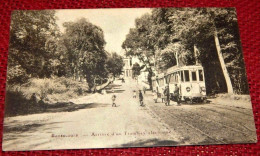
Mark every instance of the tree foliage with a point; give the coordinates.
(136, 69)
(139, 42)
(167, 36)
(28, 53)
(115, 64)
(38, 49)
(84, 44)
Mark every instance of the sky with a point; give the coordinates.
(114, 22)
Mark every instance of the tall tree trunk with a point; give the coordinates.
(222, 63)
(177, 58)
(149, 78)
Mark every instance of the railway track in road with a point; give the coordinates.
(188, 118)
(227, 126)
(190, 124)
(185, 128)
(223, 111)
(213, 111)
(197, 129)
(221, 127)
(226, 107)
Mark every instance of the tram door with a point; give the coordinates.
(172, 80)
(186, 89)
(195, 85)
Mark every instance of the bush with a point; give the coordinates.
(46, 91)
(17, 104)
(16, 75)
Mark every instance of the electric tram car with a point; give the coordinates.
(189, 79)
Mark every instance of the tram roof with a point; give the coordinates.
(177, 68)
(174, 68)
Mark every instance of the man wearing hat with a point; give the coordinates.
(167, 95)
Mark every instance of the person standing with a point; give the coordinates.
(134, 96)
(141, 98)
(167, 95)
(177, 94)
(144, 89)
(113, 99)
(155, 96)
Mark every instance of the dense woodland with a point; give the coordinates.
(47, 66)
(168, 37)
(164, 38)
(38, 49)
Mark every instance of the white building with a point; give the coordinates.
(143, 78)
(128, 72)
(128, 67)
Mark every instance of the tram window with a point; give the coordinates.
(167, 78)
(177, 77)
(187, 75)
(171, 78)
(182, 77)
(161, 82)
(193, 75)
(154, 84)
(200, 75)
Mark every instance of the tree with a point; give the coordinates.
(115, 64)
(176, 53)
(212, 18)
(139, 43)
(136, 69)
(200, 26)
(84, 44)
(29, 32)
(167, 37)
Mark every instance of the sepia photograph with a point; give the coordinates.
(130, 77)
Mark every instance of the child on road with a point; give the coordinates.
(141, 98)
(113, 99)
(134, 96)
(155, 96)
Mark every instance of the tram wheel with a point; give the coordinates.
(190, 101)
(205, 101)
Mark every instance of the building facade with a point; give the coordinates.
(128, 67)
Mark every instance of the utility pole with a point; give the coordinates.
(196, 53)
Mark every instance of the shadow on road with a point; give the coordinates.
(71, 107)
(22, 128)
(29, 127)
(110, 86)
(196, 103)
(60, 107)
(115, 87)
(150, 142)
(115, 91)
(15, 131)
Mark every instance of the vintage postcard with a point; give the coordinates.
(113, 78)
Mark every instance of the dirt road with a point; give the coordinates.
(100, 125)
(97, 126)
(211, 123)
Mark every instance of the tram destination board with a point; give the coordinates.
(130, 77)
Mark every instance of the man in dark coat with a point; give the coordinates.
(167, 95)
(176, 94)
(141, 98)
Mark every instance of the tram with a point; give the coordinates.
(189, 79)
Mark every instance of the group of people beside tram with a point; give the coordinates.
(166, 97)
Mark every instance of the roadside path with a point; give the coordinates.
(99, 126)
